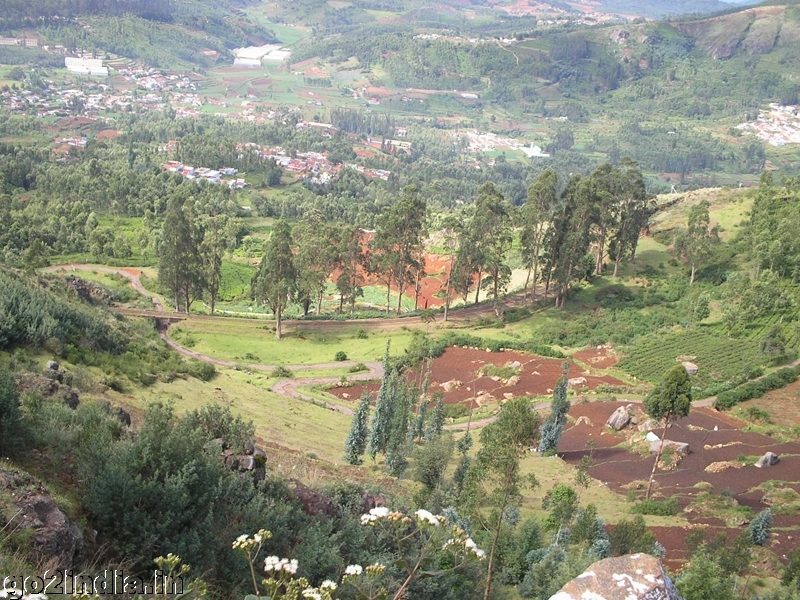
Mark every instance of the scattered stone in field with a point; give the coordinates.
(584, 419)
(495, 378)
(449, 386)
(52, 365)
(718, 467)
(508, 395)
(651, 437)
(535, 373)
(680, 448)
(576, 381)
(629, 577)
(649, 425)
(513, 380)
(618, 419)
(718, 446)
(691, 368)
(484, 398)
(345, 395)
(515, 364)
(247, 462)
(769, 459)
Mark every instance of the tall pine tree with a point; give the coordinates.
(384, 408)
(553, 428)
(356, 442)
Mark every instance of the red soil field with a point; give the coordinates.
(617, 467)
(597, 358)
(537, 376)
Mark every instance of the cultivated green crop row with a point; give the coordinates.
(719, 358)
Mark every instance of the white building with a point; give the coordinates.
(85, 66)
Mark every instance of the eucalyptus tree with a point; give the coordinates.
(535, 217)
(316, 258)
(212, 250)
(180, 266)
(569, 238)
(694, 244)
(275, 282)
(397, 248)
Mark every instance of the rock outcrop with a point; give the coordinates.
(769, 459)
(619, 419)
(630, 577)
(55, 542)
(681, 448)
(691, 368)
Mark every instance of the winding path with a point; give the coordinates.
(290, 387)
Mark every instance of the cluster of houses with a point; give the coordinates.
(780, 125)
(155, 79)
(24, 42)
(204, 173)
(477, 142)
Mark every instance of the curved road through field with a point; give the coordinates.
(290, 387)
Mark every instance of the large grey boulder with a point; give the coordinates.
(769, 459)
(691, 368)
(681, 448)
(630, 577)
(619, 419)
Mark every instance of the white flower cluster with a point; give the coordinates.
(313, 594)
(428, 517)
(328, 585)
(468, 544)
(273, 563)
(374, 514)
(245, 542)
(353, 570)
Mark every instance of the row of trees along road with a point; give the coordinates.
(556, 231)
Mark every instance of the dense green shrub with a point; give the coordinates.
(755, 389)
(663, 508)
(341, 355)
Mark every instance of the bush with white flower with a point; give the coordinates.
(417, 541)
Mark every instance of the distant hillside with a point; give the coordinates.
(661, 8)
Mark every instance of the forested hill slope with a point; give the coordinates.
(657, 8)
(157, 10)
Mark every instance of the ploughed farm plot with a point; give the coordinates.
(477, 378)
(717, 484)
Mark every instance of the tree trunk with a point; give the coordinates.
(341, 303)
(616, 264)
(478, 287)
(447, 289)
(278, 314)
(525, 289)
(188, 303)
(598, 268)
(658, 458)
(633, 249)
(213, 302)
(399, 300)
(417, 289)
(490, 570)
(388, 294)
(319, 302)
(694, 272)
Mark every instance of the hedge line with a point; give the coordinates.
(758, 387)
